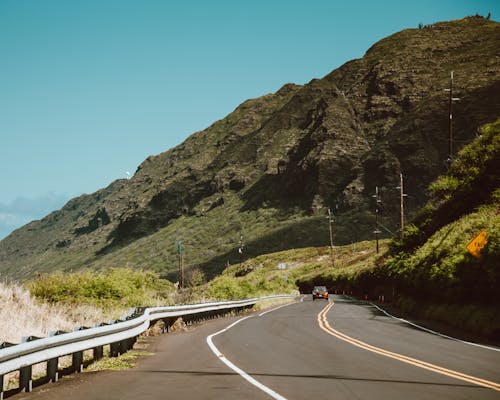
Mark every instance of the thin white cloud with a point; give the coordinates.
(23, 210)
(9, 219)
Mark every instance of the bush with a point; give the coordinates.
(115, 286)
(227, 288)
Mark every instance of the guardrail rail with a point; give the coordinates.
(120, 335)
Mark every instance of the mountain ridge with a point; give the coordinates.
(287, 157)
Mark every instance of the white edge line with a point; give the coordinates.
(239, 371)
(276, 308)
(434, 332)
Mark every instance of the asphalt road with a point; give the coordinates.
(344, 350)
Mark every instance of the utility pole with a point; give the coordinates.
(181, 267)
(377, 231)
(241, 247)
(451, 99)
(402, 195)
(330, 222)
(182, 270)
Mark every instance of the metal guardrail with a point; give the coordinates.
(120, 335)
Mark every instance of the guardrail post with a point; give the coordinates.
(53, 363)
(77, 358)
(26, 373)
(26, 379)
(53, 369)
(1, 387)
(166, 325)
(77, 361)
(123, 346)
(98, 353)
(114, 349)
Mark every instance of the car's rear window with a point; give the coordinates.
(320, 288)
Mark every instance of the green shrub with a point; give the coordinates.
(115, 286)
(228, 288)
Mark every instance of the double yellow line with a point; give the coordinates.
(323, 323)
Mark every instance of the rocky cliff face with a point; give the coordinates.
(272, 168)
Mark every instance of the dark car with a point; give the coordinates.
(320, 292)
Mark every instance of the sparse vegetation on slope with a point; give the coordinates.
(430, 271)
(302, 269)
(432, 261)
(473, 180)
(272, 168)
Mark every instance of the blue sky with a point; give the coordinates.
(90, 88)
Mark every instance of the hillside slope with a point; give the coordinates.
(270, 169)
(432, 260)
(430, 272)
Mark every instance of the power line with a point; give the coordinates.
(384, 227)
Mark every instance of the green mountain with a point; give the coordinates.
(431, 271)
(269, 171)
(432, 260)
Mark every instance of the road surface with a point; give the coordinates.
(343, 349)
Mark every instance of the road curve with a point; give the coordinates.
(304, 350)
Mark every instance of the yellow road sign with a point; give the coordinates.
(476, 245)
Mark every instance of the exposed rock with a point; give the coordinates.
(99, 219)
(294, 153)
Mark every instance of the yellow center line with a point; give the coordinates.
(323, 323)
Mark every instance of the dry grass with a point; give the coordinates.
(23, 315)
(270, 303)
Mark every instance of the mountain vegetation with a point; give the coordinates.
(430, 271)
(264, 177)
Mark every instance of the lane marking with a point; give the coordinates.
(323, 324)
(434, 332)
(274, 309)
(239, 371)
